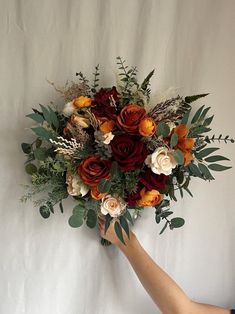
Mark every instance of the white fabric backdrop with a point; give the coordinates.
(46, 266)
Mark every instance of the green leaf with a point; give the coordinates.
(36, 117)
(163, 129)
(190, 99)
(118, 231)
(75, 221)
(30, 169)
(180, 177)
(46, 114)
(54, 118)
(174, 140)
(26, 148)
(108, 220)
(197, 114)
(79, 210)
(114, 168)
(43, 133)
(145, 83)
(217, 167)
(44, 211)
(164, 228)
(215, 158)
(178, 156)
(91, 218)
(61, 207)
(187, 190)
(104, 186)
(41, 153)
(125, 225)
(208, 121)
(50, 206)
(185, 117)
(205, 152)
(128, 216)
(194, 170)
(38, 142)
(205, 171)
(177, 222)
(204, 113)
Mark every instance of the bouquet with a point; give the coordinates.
(116, 151)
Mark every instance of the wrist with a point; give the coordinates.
(130, 243)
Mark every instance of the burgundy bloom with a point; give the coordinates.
(129, 152)
(153, 181)
(102, 106)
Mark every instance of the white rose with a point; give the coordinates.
(161, 161)
(112, 206)
(75, 185)
(68, 109)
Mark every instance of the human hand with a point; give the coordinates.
(111, 236)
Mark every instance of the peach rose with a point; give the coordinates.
(82, 102)
(149, 198)
(147, 126)
(112, 206)
(92, 169)
(184, 143)
(96, 194)
(130, 117)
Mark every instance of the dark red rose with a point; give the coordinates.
(153, 181)
(129, 152)
(132, 198)
(102, 105)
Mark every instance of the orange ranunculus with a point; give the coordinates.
(106, 125)
(82, 102)
(96, 194)
(149, 198)
(130, 117)
(92, 169)
(147, 126)
(184, 144)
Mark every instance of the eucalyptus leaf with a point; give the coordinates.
(194, 170)
(208, 121)
(124, 224)
(164, 228)
(30, 169)
(37, 117)
(197, 114)
(179, 157)
(91, 218)
(190, 99)
(174, 140)
(185, 117)
(75, 221)
(43, 133)
(79, 210)
(118, 231)
(53, 118)
(108, 220)
(217, 167)
(177, 222)
(163, 129)
(204, 113)
(128, 216)
(41, 153)
(215, 158)
(205, 171)
(46, 114)
(205, 152)
(104, 186)
(44, 211)
(26, 148)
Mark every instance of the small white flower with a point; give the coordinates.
(68, 109)
(161, 161)
(104, 138)
(75, 186)
(112, 206)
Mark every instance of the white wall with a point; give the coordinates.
(46, 266)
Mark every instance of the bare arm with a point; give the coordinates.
(167, 295)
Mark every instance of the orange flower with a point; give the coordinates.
(82, 102)
(147, 126)
(184, 144)
(92, 169)
(149, 198)
(95, 193)
(106, 126)
(130, 117)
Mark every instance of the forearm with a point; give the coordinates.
(167, 295)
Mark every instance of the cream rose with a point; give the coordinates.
(80, 120)
(161, 161)
(112, 206)
(104, 138)
(75, 186)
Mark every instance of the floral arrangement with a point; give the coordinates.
(116, 151)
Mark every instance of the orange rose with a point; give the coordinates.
(130, 117)
(149, 198)
(184, 143)
(82, 102)
(147, 126)
(92, 169)
(106, 126)
(95, 193)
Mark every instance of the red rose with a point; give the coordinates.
(153, 181)
(132, 198)
(102, 106)
(129, 152)
(92, 169)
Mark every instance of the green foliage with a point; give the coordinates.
(225, 139)
(30, 169)
(26, 148)
(144, 86)
(44, 211)
(178, 156)
(176, 222)
(217, 167)
(185, 117)
(95, 80)
(131, 180)
(43, 133)
(76, 220)
(174, 140)
(118, 231)
(128, 216)
(104, 186)
(163, 129)
(190, 99)
(91, 218)
(124, 224)
(37, 117)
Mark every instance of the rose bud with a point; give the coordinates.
(149, 198)
(147, 127)
(96, 194)
(106, 126)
